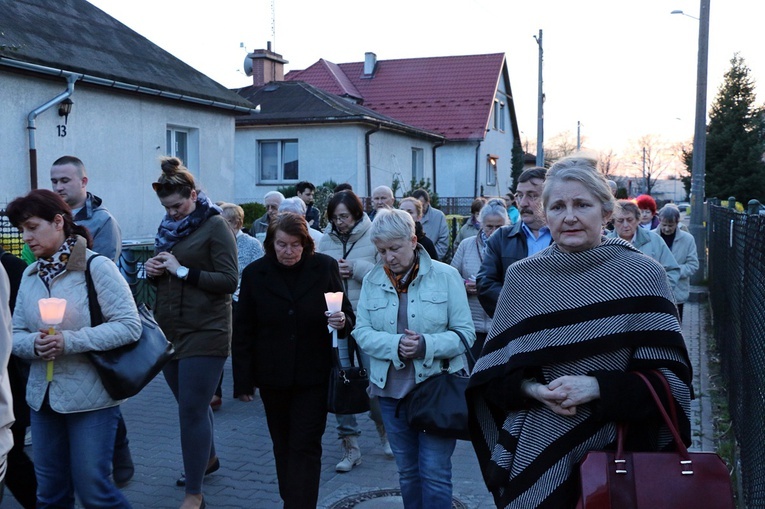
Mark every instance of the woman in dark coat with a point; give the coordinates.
(284, 347)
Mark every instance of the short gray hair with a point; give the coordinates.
(390, 225)
(670, 212)
(583, 169)
(294, 204)
(627, 207)
(494, 207)
(274, 193)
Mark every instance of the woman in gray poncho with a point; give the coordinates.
(555, 372)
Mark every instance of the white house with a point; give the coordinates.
(447, 119)
(131, 102)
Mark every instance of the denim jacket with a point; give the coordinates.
(437, 302)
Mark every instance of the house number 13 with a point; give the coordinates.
(61, 130)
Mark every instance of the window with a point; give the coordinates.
(278, 161)
(497, 114)
(183, 143)
(418, 158)
(491, 170)
(178, 144)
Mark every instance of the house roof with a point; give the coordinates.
(76, 36)
(297, 102)
(449, 95)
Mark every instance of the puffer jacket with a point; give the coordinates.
(467, 260)
(358, 248)
(437, 303)
(76, 386)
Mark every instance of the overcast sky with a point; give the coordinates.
(623, 69)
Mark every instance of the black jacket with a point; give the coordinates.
(280, 336)
(505, 247)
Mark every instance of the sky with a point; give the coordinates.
(621, 69)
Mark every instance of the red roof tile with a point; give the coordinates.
(450, 95)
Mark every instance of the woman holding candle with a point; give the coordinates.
(282, 345)
(74, 420)
(195, 270)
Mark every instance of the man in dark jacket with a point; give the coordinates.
(305, 192)
(70, 180)
(514, 242)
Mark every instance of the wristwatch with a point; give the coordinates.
(182, 272)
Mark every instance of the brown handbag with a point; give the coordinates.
(654, 480)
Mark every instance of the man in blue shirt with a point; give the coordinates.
(514, 242)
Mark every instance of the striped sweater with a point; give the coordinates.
(602, 312)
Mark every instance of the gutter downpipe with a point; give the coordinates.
(368, 156)
(71, 78)
(435, 146)
(477, 163)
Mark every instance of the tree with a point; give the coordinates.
(685, 154)
(561, 145)
(517, 158)
(735, 145)
(650, 153)
(608, 163)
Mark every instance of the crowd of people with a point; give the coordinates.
(530, 289)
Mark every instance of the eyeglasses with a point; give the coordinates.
(341, 217)
(166, 186)
(530, 196)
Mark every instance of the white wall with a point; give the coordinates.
(329, 153)
(119, 137)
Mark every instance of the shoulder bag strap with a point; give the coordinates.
(96, 317)
(465, 343)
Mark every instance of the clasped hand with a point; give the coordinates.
(336, 320)
(409, 344)
(48, 346)
(157, 265)
(564, 394)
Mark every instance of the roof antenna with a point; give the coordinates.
(273, 22)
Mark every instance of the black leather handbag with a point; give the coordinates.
(348, 385)
(127, 369)
(437, 405)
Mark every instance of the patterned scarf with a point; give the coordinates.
(401, 281)
(50, 267)
(562, 314)
(171, 232)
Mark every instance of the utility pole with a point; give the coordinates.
(700, 146)
(645, 183)
(540, 108)
(578, 136)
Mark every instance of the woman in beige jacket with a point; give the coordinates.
(72, 414)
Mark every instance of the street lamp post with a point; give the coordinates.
(697, 228)
(698, 165)
(540, 108)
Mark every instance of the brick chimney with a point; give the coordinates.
(266, 66)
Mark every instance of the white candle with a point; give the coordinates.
(52, 313)
(334, 304)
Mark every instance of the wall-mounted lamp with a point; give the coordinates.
(492, 160)
(65, 108)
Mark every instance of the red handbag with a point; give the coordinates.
(654, 480)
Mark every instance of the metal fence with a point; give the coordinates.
(737, 295)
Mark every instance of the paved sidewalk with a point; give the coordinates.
(247, 477)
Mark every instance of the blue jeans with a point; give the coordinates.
(73, 453)
(424, 462)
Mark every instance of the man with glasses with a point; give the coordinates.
(382, 198)
(514, 242)
(271, 200)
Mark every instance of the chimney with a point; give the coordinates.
(266, 66)
(370, 63)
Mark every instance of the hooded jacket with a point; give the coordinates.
(107, 237)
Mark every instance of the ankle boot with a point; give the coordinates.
(384, 441)
(351, 454)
